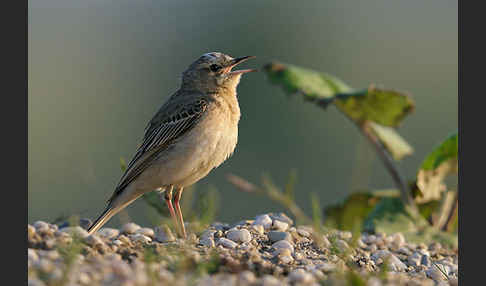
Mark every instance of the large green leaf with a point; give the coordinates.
(439, 164)
(385, 107)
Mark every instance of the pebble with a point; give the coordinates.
(227, 243)
(41, 226)
(280, 225)
(398, 240)
(425, 260)
(30, 231)
(207, 241)
(130, 228)
(239, 235)
(75, 231)
(283, 244)
(258, 228)
(303, 232)
(35, 282)
(279, 235)
(163, 234)
(342, 245)
(396, 264)
(414, 259)
(93, 240)
(108, 233)
(435, 274)
(346, 235)
(140, 238)
(263, 220)
(32, 255)
(281, 217)
(85, 223)
(146, 231)
(246, 278)
(300, 276)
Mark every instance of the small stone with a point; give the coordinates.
(140, 238)
(414, 259)
(258, 228)
(281, 217)
(41, 226)
(85, 223)
(280, 225)
(30, 231)
(84, 278)
(263, 220)
(361, 244)
(373, 248)
(425, 260)
(93, 240)
(32, 255)
(146, 231)
(300, 276)
(130, 228)
(117, 242)
(374, 281)
(75, 231)
(207, 241)
(285, 259)
(370, 239)
(303, 232)
(435, 246)
(269, 280)
(279, 235)
(398, 240)
(404, 250)
(164, 234)
(435, 274)
(239, 235)
(246, 278)
(44, 265)
(396, 264)
(327, 267)
(227, 243)
(108, 233)
(342, 245)
(345, 235)
(283, 244)
(325, 241)
(35, 282)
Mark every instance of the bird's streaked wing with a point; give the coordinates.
(174, 119)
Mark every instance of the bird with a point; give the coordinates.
(193, 132)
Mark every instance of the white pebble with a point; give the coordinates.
(75, 231)
(130, 228)
(239, 235)
(280, 225)
(300, 276)
(164, 234)
(140, 238)
(283, 244)
(263, 220)
(41, 226)
(258, 228)
(146, 231)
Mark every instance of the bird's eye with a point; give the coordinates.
(214, 68)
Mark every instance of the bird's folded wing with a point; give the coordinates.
(173, 120)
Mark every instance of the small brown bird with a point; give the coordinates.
(194, 131)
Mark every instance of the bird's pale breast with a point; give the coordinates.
(203, 148)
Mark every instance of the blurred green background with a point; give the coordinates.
(99, 70)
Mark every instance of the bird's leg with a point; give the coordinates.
(168, 200)
(177, 198)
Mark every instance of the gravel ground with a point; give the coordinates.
(267, 250)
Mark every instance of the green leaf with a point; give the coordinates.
(393, 142)
(439, 164)
(389, 216)
(386, 107)
(351, 212)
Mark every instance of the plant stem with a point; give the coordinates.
(448, 224)
(389, 165)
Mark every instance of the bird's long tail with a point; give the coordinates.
(114, 206)
(102, 219)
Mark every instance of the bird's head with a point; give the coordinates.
(213, 72)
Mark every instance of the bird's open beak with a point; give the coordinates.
(238, 61)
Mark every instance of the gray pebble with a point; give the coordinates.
(435, 274)
(425, 260)
(207, 241)
(342, 245)
(263, 220)
(41, 226)
(130, 228)
(163, 234)
(279, 235)
(146, 231)
(414, 259)
(108, 233)
(227, 243)
(93, 240)
(239, 235)
(300, 276)
(85, 223)
(396, 264)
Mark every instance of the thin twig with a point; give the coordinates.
(389, 165)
